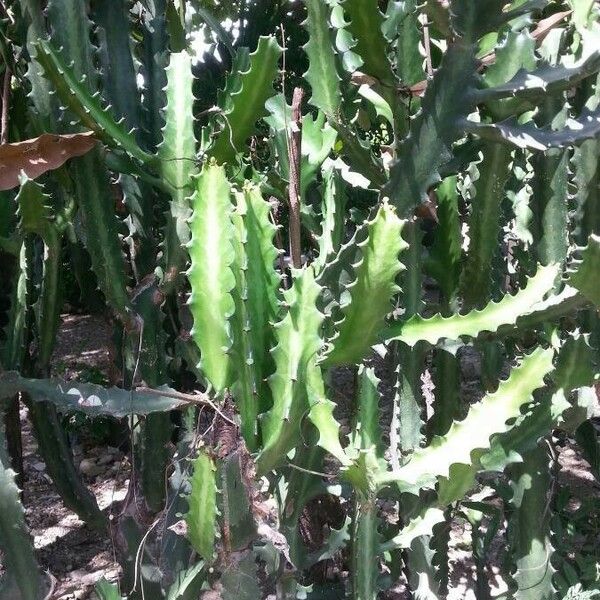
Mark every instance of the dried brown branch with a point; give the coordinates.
(197, 398)
(5, 106)
(295, 155)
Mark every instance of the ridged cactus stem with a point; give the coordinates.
(550, 192)
(551, 176)
(410, 360)
(15, 542)
(12, 357)
(485, 226)
(447, 392)
(529, 529)
(365, 535)
(410, 400)
(302, 487)
(146, 359)
(153, 58)
(445, 263)
(364, 549)
(586, 165)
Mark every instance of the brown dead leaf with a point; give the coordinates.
(545, 26)
(44, 153)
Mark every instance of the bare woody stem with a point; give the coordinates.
(5, 106)
(198, 398)
(294, 151)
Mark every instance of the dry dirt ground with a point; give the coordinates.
(77, 557)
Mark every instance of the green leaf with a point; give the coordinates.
(490, 318)
(201, 517)
(468, 439)
(91, 399)
(298, 343)
(210, 275)
(378, 102)
(85, 105)
(371, 292)
(322, 75)
(245, 104)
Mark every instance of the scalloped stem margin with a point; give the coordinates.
(491, 318)
(211, 276)
(484, 419)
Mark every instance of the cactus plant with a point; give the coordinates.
(424, 121)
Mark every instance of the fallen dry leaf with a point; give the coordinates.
(44, 153)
